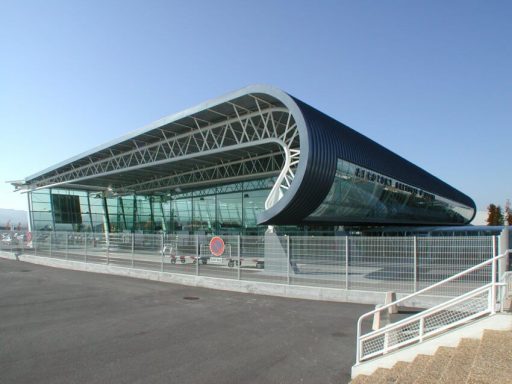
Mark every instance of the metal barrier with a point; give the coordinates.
(400, 264)
(477, 302)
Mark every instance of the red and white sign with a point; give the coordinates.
(217, 246)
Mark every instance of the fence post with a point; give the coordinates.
(416, 270)
(239, 258)
(162, 253)
(197, 254)
(67, 245)
(346, 263)
(503, 264)
(422, 328)
(289, 260)
(133, 247)
(493, 287)
(107, 238)
(86, 247)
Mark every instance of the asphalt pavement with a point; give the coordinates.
(61, 326)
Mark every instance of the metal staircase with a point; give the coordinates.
(484, 289)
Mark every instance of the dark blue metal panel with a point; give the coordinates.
(329, 140)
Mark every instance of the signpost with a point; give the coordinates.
(217, 246)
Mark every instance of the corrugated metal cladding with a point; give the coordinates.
(329, 140)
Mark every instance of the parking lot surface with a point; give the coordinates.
(61, 326)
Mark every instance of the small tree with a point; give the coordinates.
(491, 214)
(499, 216)
(495, 215)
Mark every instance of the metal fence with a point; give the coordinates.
(399, 264)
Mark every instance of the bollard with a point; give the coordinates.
(380, 318)
(390, 297)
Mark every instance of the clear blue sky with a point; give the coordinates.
(430, 80)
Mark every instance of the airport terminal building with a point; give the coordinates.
(237, 164)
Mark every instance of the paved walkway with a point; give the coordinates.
(61, 326)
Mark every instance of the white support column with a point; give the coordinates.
(30, 210)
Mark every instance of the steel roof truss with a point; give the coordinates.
(241, 131)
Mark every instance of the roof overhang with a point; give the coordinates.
(253, 133)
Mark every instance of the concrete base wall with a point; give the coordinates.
(255, 287)
(259, 288)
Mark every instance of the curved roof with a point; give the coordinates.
(330, 140)
(255, 132)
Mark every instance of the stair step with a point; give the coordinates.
(379, 375)
(382, 375)
(437, 366)
(360, 379)
(392, 375)
(473, 361)
(414, 370)
(493, 362)
(460, 364)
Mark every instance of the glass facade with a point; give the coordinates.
(66, 210)
(359, 195)
(231, 208)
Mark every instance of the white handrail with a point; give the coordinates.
(428, 311)
(448, 279)
(389, 327)
(423, 315)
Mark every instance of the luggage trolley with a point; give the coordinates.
(171, 249)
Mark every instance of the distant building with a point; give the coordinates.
(236, 164)
(480, 218)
